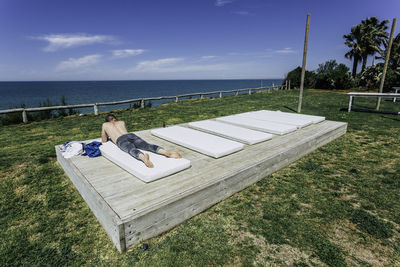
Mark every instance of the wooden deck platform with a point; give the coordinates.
(131, 210)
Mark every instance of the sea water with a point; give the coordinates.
(34, 94)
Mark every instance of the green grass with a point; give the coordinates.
(338, 206)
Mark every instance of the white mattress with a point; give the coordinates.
(259, 125)
(205, 143)
(314, 119)
(236, 133)
(163, 166)
(278, 117)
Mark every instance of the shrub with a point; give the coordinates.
(15, 118)
(330, 75)
(11, 118)
(371, 77)
(138, 104)
(295, 76)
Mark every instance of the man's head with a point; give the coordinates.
(110, 117)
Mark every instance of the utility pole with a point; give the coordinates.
(303, 69)
(378, 103)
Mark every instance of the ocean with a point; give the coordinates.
(32, 94)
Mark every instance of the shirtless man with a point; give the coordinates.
(130, 142)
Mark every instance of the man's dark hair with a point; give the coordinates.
(110, 117)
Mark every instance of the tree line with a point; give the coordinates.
(369, 39)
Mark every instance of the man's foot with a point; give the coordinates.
(147, 161)
(174, 155)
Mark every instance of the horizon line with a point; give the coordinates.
(144, 80)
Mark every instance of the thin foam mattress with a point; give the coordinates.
(204, 143)
(313, 118)
(229, 131)
(258, 125)
(163, 166)
(278, 117)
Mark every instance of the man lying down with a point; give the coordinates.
(129, 142)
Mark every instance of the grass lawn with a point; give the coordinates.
(338, 206)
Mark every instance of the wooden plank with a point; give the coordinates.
(4, 111)
(110, 221)
(388, 95)
(60, 107)
(374, 95)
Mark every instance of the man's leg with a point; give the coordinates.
(126, 145)
(146, 159)
(140, 143)
(166, 153)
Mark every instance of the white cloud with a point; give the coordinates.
(208, 57)
(173, 65)
(286, 50)
(74, 63)
(197, 68)
(156, 65)
(127, 52)
(242, 13)
(223, 2)
(62, 41)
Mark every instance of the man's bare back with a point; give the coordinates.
(114, 129)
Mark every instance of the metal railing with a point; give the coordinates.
(139, 100)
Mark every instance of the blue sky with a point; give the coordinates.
(174, 39)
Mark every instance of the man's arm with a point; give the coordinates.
(104, 135)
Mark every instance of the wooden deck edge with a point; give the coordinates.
(110, 221)
(171, 214)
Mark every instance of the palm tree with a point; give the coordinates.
(394, 60)
(374, 35)
(353, 40)
(395, 53)
(365, 40)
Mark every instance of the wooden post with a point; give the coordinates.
(142, 103)
(378, 103)
(176, 99)
(289, 84)
(303, 69)
(237, 92)
(201, 96)
(286, 85)
(24, 116)
(96, 109)
(220, 94)
(249, 91)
